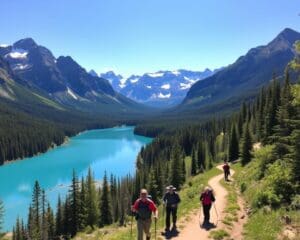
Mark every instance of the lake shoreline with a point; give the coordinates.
(65, 142)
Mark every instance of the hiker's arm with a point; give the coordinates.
(178, 198)
(201, 197)
(154, 209)
(213, 198)
(165, 199)
(134, 208)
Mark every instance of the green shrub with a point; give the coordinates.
(295, 205)
(243, 187)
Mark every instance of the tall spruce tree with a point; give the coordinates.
(246, 146)
(91, 200)
(82, 206)
(59, 230)
(176, 171)
(105, 204)
(201, 156)
(74, 205)
(233, 149)
(194, 164)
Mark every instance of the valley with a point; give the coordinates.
(77, 145)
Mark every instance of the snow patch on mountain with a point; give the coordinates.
(166, 86)
(70, 92)
(160, 95)
(17, 54)
(155, 75)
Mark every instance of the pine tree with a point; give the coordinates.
(153, 187)
(246, 146)
(105, 204)
(35, 213)
(201, 157)
(59, 230)
(176, 170)
(91, 200)
(194, 164)
(233, 152)
(50, 223)
(82, 206)
(74, 205)
(296, 157)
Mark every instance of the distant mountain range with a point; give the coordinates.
(28, 67)
(61, 79)
(162, 88)
(242, 79)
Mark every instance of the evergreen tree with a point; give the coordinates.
(59, 230)
(74, 205)
(176, 171)
(105, 204)
(233, 152)
(82, 206)
(296, 157)
(91, 200)
(201, 156)
(194, 164)
(50, 223)
(246, 146)
(153, 186)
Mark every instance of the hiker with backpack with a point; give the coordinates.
(207, 198)
(144, 207)
(226, 169)
(171, 200)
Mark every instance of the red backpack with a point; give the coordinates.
(206, 198)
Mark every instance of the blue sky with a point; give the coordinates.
(137, 36)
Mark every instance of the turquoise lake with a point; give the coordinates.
(113, 150)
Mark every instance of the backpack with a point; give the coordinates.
(144, 211)
(206, 198)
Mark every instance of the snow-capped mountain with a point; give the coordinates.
(162, 88)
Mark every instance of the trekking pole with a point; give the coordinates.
(131, 225)
(216, 213)
(155, 220)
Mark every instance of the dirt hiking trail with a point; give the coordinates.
(192, 229)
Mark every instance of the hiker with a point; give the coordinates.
(171, 200)
(144, 207)
(207, 198)
(226, 170)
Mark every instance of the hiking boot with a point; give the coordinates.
(167, 229)
(174, 227)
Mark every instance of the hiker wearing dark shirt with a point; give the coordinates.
(171, 200)
(226, 170)
(144, 207)
(207, 198)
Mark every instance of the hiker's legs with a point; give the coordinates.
(140, 229)
(206, 210)
(168, 215)
(174, 216)
(147, 226)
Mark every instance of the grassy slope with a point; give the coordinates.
(263, 223)
(190, 201)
